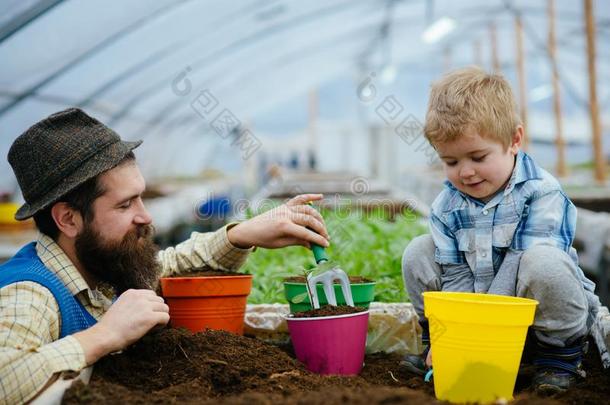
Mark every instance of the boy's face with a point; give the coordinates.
(478, 166)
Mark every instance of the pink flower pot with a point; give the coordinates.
(330, 344)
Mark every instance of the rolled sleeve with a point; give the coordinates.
(63, 354)
(211, 249)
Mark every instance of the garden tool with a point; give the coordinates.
(327, 273)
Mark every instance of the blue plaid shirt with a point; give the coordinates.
(475, 240)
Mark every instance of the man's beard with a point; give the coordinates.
(128, 263)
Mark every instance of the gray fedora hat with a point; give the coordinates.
(61, 152)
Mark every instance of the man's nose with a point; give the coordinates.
(142, 216)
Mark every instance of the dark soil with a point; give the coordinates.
(352, 280)
(328, 310)
(175, 366)
(208, 273)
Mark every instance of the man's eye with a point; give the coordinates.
(125, 205)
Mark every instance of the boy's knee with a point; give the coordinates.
(418, 251)
(544, 263)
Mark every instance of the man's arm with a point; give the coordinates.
(30, 352)
(293, 223)
(211, 249)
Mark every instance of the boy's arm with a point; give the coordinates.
(456, 273)
(548, 219)
(447, 248)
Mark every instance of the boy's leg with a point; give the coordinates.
(420, 273)
(549, 275)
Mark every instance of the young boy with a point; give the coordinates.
(502, 225)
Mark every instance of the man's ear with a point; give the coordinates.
(68, 220)
(517, 140)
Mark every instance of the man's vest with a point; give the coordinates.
(26, 266)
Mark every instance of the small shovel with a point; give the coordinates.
(329, 273)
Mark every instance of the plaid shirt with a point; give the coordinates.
(31, 352)
(487, 237)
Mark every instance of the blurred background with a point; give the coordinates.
(244, 102)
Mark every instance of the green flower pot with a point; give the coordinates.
(362, 293)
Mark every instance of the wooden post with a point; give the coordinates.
(522, 78)
(478, 60)
(559, 140)
(494, 47)
(313, 119)
(598, 153)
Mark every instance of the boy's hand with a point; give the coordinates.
(429, 358)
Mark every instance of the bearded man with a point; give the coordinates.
(86, 286)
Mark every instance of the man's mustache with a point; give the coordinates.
(145, 231)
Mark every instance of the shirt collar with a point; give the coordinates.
(525, 169)
(56, 260)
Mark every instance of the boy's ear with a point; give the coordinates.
(517, 140)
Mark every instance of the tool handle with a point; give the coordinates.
(319, 252)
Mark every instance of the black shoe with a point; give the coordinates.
(416, 363)
(557, 368)
(551, 381)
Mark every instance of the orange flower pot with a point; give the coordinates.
(214, 302)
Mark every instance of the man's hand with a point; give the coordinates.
(283, 226)
(133, 314)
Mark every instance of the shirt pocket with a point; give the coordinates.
(502, 235)
(462, 225)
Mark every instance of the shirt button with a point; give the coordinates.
(484, 254)
(485, 212)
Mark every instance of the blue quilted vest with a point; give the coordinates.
(26, 266)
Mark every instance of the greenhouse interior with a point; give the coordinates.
(271, 201)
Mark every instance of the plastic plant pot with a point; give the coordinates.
(214, 302)
(362, 293)
(330, 344)
(477, 341)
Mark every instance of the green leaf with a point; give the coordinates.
(297, 299)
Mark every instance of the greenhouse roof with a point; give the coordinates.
(137, 65)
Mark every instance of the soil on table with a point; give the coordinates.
(176, 366)
(352, 280)
(328, 310)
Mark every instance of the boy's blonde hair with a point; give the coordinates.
(471, 98)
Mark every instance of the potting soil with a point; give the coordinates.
(328, 310)
(208, 273)
(352, 280)
(217, 367)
